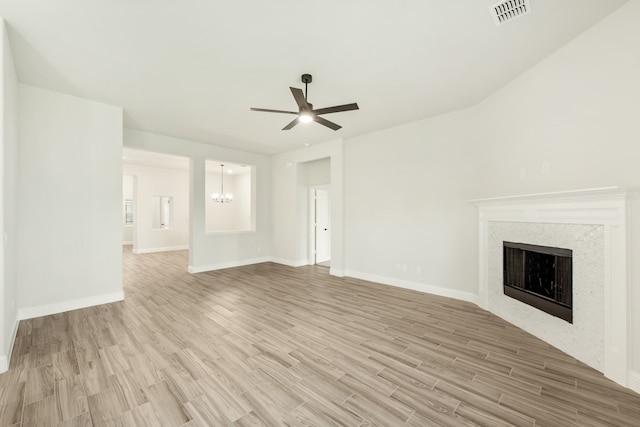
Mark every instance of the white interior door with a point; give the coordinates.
(322, 229)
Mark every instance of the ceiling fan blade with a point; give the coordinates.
(267, 110)
(336, 109)
(290, 125)
(326, 123)
(298, 94)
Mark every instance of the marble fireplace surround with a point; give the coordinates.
(601, 215)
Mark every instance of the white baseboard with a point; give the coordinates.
(416, 286)
(336, 272)
(230, 264)
(289, 262)
(634, 381)
(45, 310)
(5, 359)
(165, 249)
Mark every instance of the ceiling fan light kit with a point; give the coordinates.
(306, 113)
(305, 117)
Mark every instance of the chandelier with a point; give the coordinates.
(222, 197)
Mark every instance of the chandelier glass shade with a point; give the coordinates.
(222, 197)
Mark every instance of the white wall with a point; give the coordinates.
(8, 199)
(219, 216)
(317, 172)
(208, 251)
(290, 209)
(127, 194)
(578, 110)
(408, 222)
(157, 181)
(243, 187)
(234, 216)
(69, 193)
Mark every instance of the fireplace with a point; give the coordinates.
(593, 224)
(540, 276)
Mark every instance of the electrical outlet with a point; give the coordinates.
(419, 270)
(523, 173)
(545, 167)
(404, 268)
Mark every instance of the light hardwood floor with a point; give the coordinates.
(274, 345)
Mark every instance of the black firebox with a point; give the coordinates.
(540, 276)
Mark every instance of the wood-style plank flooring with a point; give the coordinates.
(274, 345)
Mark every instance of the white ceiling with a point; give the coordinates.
(191, 69)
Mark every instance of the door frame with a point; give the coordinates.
(312, 220)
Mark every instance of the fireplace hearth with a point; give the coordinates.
(540, 276)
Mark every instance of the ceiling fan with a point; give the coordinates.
(306, 113)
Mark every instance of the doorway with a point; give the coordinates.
(156, 201)
(321, 227)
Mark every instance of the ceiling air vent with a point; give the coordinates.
(508, 10)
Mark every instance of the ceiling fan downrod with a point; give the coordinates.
(306, 79)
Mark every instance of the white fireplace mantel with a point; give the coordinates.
(607, 207)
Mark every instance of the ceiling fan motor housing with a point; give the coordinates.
(306, 112)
